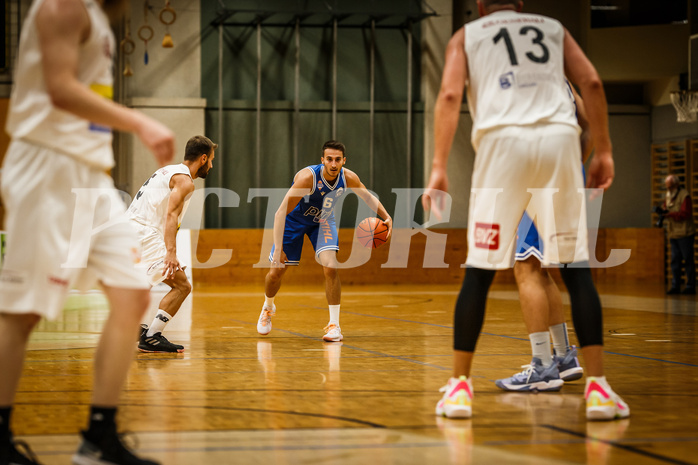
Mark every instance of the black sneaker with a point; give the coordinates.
(109, 451)
(689, 291)
(10, 455)
(157, 343)
(673, 291)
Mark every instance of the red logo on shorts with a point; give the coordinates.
(487, 236)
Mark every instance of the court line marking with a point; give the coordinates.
(344, 344)
(242, 409)
(509, 337)
(618, 445)
(633, 303)
(269, 448)
(650, 358)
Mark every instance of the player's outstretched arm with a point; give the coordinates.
(302, 186)
(371, 200)
(582, 73)
(446, 114)
(63, 25)
(181, 187)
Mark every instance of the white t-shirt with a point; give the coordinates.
(149, 207)
(33, 118)
(516, 72)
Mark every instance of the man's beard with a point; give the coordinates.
(202, 172)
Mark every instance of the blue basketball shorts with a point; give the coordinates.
(323, 236)
(528, 241)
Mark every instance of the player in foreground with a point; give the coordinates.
(55, 187)
(527, 142)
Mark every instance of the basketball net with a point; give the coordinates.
(686, 104)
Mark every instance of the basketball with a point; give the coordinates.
(372, 232)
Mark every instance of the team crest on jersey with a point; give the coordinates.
(506, 80)
(340, 191)
(319, 185)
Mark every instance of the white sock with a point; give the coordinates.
(561, 342)
(540, 346)
(334, 314)
(268, 301)
(159, 322)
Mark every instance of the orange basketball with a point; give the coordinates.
(372, 232)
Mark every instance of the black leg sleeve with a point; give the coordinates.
(586, 306)
(470, 308)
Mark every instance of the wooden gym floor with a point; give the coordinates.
(237, 397)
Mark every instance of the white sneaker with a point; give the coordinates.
(332, 333)
(602, 402)
(457, 401)
(264, 322)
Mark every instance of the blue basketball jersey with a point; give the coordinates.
(318, 206)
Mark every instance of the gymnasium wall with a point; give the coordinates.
(179, 87)
(665, 128)
(167, 88)
(239, 133)
(630, 125)
(404, 260)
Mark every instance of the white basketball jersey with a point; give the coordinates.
(33, 118)
(516, 72)
(149, 207)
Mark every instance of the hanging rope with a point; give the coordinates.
(128, 46)
(167, 17)
(145, 32)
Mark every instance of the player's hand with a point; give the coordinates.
(278, 259)
(389, 223)
(171, 265)
(601, 172)
(158, 139)
(434, 197)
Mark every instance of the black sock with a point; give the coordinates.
(5, 413)
(102, 422)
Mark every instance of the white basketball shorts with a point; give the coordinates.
(66, 227)
(153, 251)
(533, 168)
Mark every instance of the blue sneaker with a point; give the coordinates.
(568, 366)
(535, 377)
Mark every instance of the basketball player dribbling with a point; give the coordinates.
(308, 210)
(527, 142)
(60, 120)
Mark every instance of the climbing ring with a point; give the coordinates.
(142, 30)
